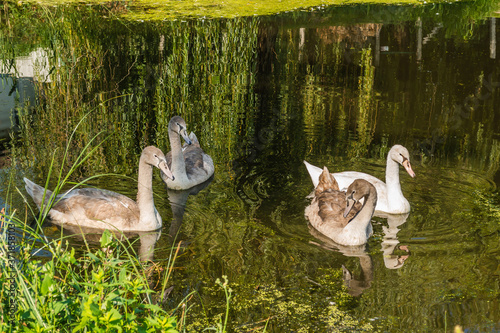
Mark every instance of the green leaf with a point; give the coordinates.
(111, 296)
(106, 238)
(123, 275)
(97, 277)
(68, 256)
(81, 325)
(59, 306)
(112, 315)
(46, 284)
(94, 308)
(93, 257)
(152, 307)
(117, 327)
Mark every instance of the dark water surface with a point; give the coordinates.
(335, 87)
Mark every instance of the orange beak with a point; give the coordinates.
(408, 168)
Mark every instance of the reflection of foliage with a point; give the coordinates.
(365, 127)
(262, 94)
(169, 9)
(490, 207)
(85, 77)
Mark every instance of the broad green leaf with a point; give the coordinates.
(106, 238)
(112, 315)
(46, 284)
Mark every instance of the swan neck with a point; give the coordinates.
(145, 200)
(364, 216)
(392, 174)
(178, 165)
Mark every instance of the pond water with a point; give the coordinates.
(336, 86)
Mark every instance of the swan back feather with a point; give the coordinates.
(327, 212)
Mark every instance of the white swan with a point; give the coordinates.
(390, 197)
(190, 165)
(339, 215)
(97, 208)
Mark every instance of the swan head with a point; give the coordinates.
(156, 158)
(359, 189)
(401, 155)
(178, 125)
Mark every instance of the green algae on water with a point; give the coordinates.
(153, 10)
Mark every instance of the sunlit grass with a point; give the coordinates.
(104, 290)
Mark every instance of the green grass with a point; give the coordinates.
(104, 290)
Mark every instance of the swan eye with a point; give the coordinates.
(404, 157)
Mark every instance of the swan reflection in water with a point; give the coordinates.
(355, 286)
(178, 199)
(390, 240)
(147, 239)
(390, 243)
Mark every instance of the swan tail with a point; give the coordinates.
(194, 141)
(314, 173)
(326, 182)
(36, 192)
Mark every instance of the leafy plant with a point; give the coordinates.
(99, 292)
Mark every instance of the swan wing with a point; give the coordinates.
(344, 179)
(90, 204)
(331, 207)
(314, 173)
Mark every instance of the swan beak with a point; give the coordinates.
(408, 168)
(186, 137)
(348, 207)
(166, 170)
